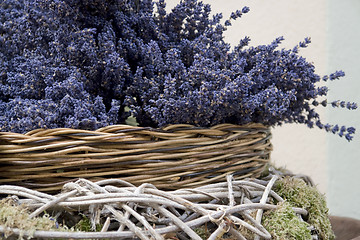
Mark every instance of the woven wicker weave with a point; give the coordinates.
(170, 158)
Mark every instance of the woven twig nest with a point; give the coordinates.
(233, 207)
(173, 157)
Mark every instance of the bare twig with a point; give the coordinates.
(264, 200)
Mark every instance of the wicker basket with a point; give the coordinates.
(174, 157)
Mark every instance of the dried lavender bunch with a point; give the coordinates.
(166, 67)
(197, 79)
(57, 69)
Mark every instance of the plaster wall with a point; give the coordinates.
(344, 158)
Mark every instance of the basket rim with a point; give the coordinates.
(164, 156)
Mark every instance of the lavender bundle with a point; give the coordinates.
(83, 64)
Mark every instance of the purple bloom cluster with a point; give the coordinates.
(59, 66)
(82, 63)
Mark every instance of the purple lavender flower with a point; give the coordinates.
(79, 64)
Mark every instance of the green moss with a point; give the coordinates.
(283, 223)
(202, 232)
(17, 216)
(298, 194)
(13, 215)
(84, 225)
